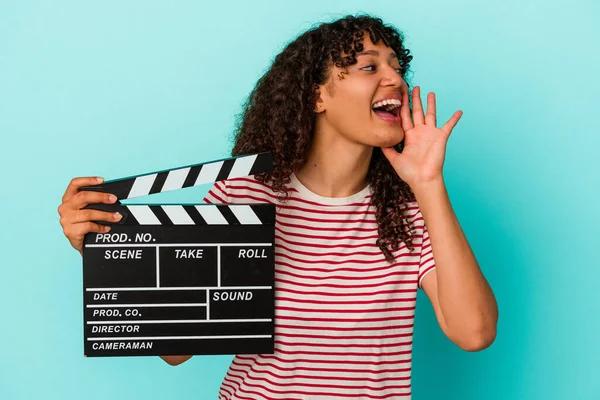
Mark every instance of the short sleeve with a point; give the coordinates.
(217, 194)
(426, 261)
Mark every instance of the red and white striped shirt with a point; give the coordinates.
(343, 315)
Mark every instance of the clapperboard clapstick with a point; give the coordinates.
(180, 279)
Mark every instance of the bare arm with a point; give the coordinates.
(175, 360)
(462, 299)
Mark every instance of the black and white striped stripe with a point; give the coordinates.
(202, 214)
(192, 175)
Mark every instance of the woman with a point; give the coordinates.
(360, 226)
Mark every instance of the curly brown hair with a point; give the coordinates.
(279, 116)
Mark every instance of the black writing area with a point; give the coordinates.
(123, 267)
(226, 304)
(179, 290)
(245, 265)
(189, 266)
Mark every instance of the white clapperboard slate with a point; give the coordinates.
(181, 279)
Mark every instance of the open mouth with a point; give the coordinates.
(387, 109)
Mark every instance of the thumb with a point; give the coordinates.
(391, 154)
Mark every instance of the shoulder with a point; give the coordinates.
(245, 190)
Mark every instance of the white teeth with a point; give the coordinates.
(394, 102)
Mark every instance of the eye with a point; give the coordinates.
(398, 70)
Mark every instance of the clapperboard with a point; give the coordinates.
(181, 279)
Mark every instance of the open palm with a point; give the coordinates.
(422, 158)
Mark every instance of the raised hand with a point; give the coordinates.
(422, 158)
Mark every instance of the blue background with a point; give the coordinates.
(118, 88)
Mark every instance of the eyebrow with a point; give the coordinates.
(374, 53)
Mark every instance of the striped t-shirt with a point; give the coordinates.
(343, 315)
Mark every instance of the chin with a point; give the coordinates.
(388, 140)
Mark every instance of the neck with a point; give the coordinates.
(335, 167)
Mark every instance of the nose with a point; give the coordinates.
(391, 77)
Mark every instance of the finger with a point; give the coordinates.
(418, 117)
(84, 198)
(92, 215)
(405, 113)
(76, 183)
(448, 126)
(430, 118)
(78, 231)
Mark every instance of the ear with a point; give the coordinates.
(320, 104)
